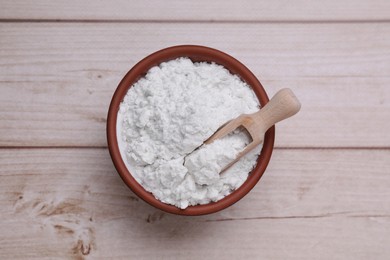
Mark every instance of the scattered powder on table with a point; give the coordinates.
(168, 114)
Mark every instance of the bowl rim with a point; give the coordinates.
(195, 53)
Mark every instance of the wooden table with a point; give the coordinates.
(325, 194)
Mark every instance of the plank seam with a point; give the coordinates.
(327, 215)
(11, 20)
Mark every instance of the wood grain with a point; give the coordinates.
(56, 80)
(202, 10)
(310, 204)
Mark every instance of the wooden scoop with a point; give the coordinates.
(282, 105)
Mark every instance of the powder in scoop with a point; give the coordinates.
(207, 162)
(169, 113)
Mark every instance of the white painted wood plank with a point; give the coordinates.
(310, 204)
(56, 80)
(202, 10)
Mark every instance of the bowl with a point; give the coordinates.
(196, 54)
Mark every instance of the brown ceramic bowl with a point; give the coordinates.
(196, 54)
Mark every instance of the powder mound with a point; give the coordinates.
(169, 113)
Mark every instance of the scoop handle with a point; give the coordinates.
(282, 105)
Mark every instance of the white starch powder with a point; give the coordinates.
(168, 114)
